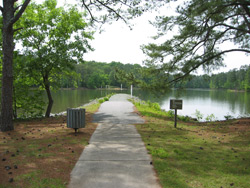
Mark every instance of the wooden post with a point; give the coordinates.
(175, 104)
(131, 90)
(175, 118)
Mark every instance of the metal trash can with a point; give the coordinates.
(75, 118)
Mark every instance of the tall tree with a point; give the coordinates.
(55, 39)
(110, 10)
(11, 14)
(200, 27)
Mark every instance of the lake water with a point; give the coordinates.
(217, 102)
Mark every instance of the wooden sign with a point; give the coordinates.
(175, 104)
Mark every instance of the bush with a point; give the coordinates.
(170, 113)
(228, 117)
(210, 117)
(101, 101)
(198, 115)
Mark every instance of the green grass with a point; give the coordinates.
(34, 181)
(195, 155)
(92, 108)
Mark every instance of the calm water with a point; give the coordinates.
(217, 102)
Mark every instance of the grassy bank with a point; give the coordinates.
(199, 155)
(42, 152)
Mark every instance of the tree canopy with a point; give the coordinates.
(54, 39)
(200, 27)
(99, 11)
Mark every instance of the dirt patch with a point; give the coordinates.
(241, 125)
(45, 148)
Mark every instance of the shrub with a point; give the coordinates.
(198, 115)
(210, 117)
(101, 101)
(228, 117)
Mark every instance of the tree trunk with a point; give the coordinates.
(47, 88)
(7, 77)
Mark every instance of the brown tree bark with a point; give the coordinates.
(9, 18)
(47, 88)
(7, 78)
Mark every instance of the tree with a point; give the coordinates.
(55, 40)
(26, 102)
(122, 9)
(11, 14)
(247, 80)
(113, 10)
(201, 27)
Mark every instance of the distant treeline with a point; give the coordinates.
(236, 79)
(93, 74)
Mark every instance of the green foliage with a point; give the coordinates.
(236, 79)
(199, 27)
(101, 101)
(210, 117)
(228, 117)
(99, 75)
(114, 10)
(185, 118)
(154, 110)
(27, 102)
(54, 40)
(198, 115)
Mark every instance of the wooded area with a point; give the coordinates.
(236, 79)
(97, 75)
(55, 39)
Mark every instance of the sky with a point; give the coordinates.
(118, 43)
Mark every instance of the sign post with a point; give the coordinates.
(131, 90)
(176, 105)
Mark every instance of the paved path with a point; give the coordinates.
(116, 156)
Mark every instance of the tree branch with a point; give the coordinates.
(20, 12)
(17, 8)
(89, 11)
(112, 10)
(1, 8)
(15, 30)
(206, 60)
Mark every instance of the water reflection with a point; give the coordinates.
(64, 99)
(217, 102)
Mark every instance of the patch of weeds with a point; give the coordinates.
(198, 115)
(92, 108)
(228, 117)
(159, 152)
(34, 180)
(210, 117)
(101, 101)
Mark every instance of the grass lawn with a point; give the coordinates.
(209, 155)
(42, 152)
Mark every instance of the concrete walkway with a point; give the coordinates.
(116, 156)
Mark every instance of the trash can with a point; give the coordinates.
(75, 118)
